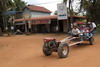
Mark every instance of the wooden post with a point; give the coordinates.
(57, 28)
(25, 26)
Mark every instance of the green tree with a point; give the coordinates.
(55, 13)
(92, 9)
(5, 5)
(19, 5)
(70, 12)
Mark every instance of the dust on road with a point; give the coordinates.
(26, 51)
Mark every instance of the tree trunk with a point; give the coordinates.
(70, 20)
(1, 32)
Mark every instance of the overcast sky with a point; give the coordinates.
(49, 4)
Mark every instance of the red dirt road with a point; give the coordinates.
(26, 51)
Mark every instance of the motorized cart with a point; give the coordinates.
(62, 46)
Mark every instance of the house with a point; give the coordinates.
(31, 11)
(42, 24)
(38, 19)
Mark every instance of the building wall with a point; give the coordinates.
(34, 13)
(26, 12)
(39, 14)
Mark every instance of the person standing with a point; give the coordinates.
(93, 28)
(12, 29)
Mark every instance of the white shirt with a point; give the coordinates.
(75, 31)
(94, 25)
(12, 27)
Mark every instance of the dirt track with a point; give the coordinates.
(26, 51)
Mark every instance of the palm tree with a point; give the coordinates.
(71, 12)
(5, 5)
(19, 5)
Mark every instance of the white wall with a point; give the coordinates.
(35, 13)
(39, 14)
(26, 11)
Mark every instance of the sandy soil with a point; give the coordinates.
(26, 51)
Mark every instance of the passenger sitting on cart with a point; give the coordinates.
(75, 32)
(84, 32)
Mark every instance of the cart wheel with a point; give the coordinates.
(91, 41)
(47, 51)
(63, 50)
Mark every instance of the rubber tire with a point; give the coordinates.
(46, 50)
(52, 42)
(91, 40)
(60, 50)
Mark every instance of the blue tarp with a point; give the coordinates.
(9, 13)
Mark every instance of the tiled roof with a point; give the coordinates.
(44, 17)
(38, 8)
(37, 18)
